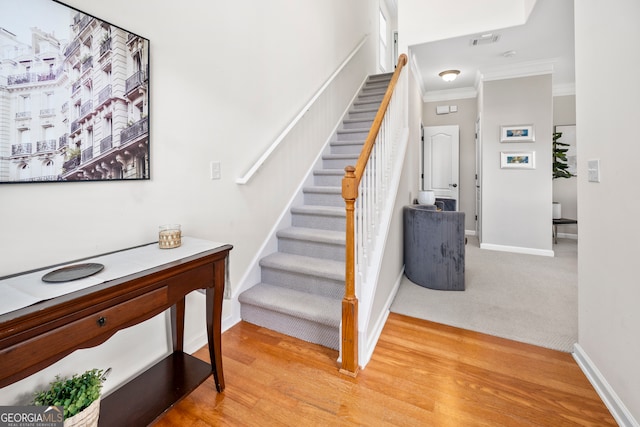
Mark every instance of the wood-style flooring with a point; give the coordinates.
(421, 374)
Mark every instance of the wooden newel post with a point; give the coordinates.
(350, 302)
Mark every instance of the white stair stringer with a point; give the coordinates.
(302, 284)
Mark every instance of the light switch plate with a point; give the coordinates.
(215, 170)
(593, 170)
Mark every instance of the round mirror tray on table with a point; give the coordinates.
(72, 272)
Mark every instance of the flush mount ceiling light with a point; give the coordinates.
(449, 75)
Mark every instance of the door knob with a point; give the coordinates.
(454, 185)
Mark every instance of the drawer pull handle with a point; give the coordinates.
(102, 321)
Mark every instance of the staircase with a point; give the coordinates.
(302, 285)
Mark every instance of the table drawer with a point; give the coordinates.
(66, 338)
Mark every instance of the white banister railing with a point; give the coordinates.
(249, 174)
(374, 188)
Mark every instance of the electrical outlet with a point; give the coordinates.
(215, 170)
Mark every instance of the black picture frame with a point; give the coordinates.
(76, 96)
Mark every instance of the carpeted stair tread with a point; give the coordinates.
(329, 172)
(361, 122)
(340, 156)
(353, 130)
(311, 266)
(313, 234)
(324, 310)
(375, 91)
(332, 211)
(381, 76)
(322, 189)
(359, 142)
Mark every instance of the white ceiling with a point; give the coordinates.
(545, 43)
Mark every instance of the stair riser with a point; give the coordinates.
(351, 135)
(366, 104)
(358, 124)
(299, 328)
(323, 199)
(370, 98)
(354, 148)
(377, 88)
(380, 77)
(303, 282)
(321, 222)
(338, 163)
(355, 114)
(322, 250)
(328, 180)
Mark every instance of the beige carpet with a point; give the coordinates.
(527, 298)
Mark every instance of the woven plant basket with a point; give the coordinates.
(88, 417)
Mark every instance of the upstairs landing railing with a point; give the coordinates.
(364, 188)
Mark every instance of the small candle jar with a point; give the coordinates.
(169, 236)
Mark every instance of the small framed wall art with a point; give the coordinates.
(517, 133)
(518, 160)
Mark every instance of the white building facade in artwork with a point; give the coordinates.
(75, 110)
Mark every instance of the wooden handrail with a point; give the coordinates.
(350, 184)
(377, 122)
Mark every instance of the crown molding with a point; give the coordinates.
(564, 89)
(512, 71)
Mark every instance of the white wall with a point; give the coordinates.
(607, 122)
(226, 78)
(516, 203)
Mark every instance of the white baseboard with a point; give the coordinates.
(617, 408)
(517, 249)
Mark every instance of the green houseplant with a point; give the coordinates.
(560, 164)
(76, 393)
(560, 168)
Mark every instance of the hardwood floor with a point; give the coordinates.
(421, 374)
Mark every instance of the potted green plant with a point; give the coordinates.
(79, 395)
(560, 167)
(560, 164)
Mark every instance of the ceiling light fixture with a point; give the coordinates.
(449, 75)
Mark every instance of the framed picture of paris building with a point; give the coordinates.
(74, 96)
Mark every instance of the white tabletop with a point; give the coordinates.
(26, 289)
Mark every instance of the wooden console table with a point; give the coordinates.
(39, 335)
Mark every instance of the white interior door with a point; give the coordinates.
(441, 150)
